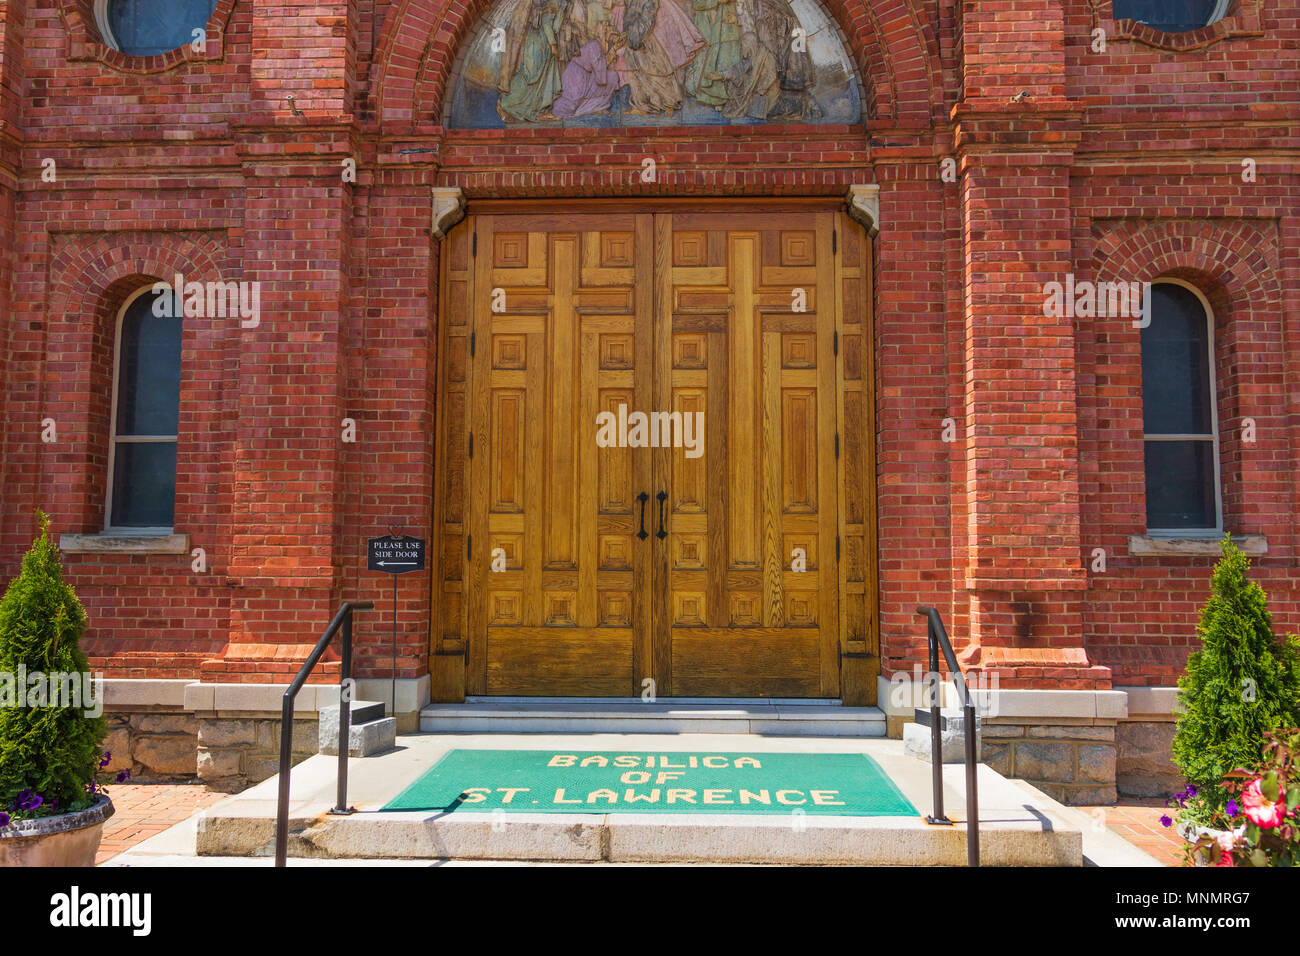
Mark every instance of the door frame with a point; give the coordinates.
(859, 654)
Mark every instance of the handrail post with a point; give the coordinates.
(282, 805)
(345, 715)
(972, 798)
(936, 737)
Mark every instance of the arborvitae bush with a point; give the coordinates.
(1242, 683)
(50, 752)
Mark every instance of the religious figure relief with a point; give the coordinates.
(661, 41)
(530, 70)
(772, 65)
(652, 62)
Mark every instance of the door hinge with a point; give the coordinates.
(837, 444)
(835, 343)
(837, 547)
(471, 445)
(465, 649)
(835, 240)
(469, 547)
(473, 245)
(471, 345)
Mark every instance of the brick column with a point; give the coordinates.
(1014, 137)
(288, 507)
(12, 18)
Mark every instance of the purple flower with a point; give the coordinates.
(123, 776)
(33, 802)
(1233, 808)
(4, 819)
(108, 757)
(1165, 821)
(1191, 792)
(26, 800)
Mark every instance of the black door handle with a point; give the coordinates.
(643, 498)
(662, 496)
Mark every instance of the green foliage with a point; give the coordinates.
(1241, 684)
(50, 751)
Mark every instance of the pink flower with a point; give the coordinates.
(1260, 810)
(1225, 859)
(1226, 842)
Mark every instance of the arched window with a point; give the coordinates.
(1179, 413)
(146, 401)
(151, 27)
(1172, 16)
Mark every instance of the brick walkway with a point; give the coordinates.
(1138, 821)
(145, 809)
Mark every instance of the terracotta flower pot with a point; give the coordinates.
(65, 839)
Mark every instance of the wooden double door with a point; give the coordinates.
(655, 456)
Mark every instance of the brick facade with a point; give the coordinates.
(1123, 164)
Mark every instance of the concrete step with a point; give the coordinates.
(603, 715)
(1018, 827)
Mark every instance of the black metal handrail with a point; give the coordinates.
(343, 619)
(938, 638)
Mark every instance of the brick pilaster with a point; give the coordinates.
(1014, 137)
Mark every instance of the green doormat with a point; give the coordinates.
(548, 781)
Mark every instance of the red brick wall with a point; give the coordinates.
(1119, 165)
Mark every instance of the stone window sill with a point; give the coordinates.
(109, 542)
(1145, 545)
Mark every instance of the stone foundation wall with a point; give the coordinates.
(236, 752)
(1145, 767)
(152, 745)
(1074, 764)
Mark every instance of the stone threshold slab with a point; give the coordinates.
(561, 715)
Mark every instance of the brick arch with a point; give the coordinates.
(90, 273)
(90, 279)
(1234, 265)
(1231, 264)
(895, 55)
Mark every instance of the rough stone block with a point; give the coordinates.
(217, 764)
(1144, 767)
(165, 724)
(1044, 761)
(1096, 764)
(997, 756)
(302, 739)
(118, 743)
(173, 755)
(1066, 732)
(221, 732)
(1086, 796)
(1001, 730)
